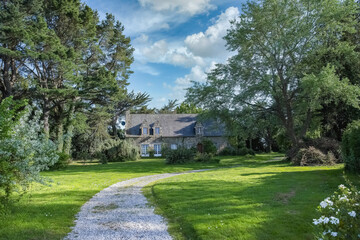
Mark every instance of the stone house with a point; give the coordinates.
(152, 131)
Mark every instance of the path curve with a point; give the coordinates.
(122, 212)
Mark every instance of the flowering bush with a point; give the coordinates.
(24, 149)
(340, 215)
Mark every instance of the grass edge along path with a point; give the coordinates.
(49, 212)
(258, 200)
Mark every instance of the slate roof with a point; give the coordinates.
(172, 125)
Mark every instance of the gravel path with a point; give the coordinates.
(121, 212)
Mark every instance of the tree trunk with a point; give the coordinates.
(7, 86)
(113, 126)
(60, 136)
(69, 130)
(46, 113)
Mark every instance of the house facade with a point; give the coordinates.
(152, 131)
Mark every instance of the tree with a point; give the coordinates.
(131, 100)
(169, 107)
(24, 150)
(270, 72)
(17, 21)
(188, 108)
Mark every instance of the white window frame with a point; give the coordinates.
(157, 149)
(157, 132)
(173, 146)
(147, 131)
(198, 130)
(144, 150)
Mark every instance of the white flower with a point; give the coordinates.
(334, 234)
(315, 222)
(323, 204)
(344, 198)
(352, 213)
(341, 186)
(334, 220)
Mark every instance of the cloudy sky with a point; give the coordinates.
(175, 41)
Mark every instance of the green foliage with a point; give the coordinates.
(119, 150)
(271, 84)
(10, 114)
(188, 108)
(169, 107)
(206, 158)
(179, 155)
(24, 149)
(151, 152)
(245, 151)
(230, 151)
(208, 146)
(350, 147)
(63, 161)
(227, 151)
(340, 218)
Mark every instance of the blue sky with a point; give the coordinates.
(175, 41)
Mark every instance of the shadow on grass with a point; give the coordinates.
(279, 206)
(41, 218)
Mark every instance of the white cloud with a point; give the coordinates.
(156, 52)
(208, 48)
(199, 52)
(188, 7)
(145, 69)
(211, 43)
(178, 90)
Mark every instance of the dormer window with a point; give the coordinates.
(144, 128)
(156, 128)
(199, 129)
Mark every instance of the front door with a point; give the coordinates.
(200, 147)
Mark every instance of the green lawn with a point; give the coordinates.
(48, 212)
(254, 201)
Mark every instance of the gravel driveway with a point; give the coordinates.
(121, 212)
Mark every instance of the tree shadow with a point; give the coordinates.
(276, 205)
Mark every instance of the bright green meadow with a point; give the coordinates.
(248, 199)
(258, 200)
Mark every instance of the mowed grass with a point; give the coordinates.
(48, 212)
(258, 200)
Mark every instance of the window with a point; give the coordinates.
(173, 147)
(144, 150)
(198, 130)
(157, 149)
(157, 131)
(145, 131)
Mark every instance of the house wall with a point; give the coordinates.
(220, 142)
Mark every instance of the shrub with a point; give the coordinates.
(24, 149)
(205, 158)
(227, 151)
(350, 147)
(180, 155)
(119, 151)
(63, 162)
(151, 152)
(327, 145)
(312, 156)
(340, 215)
(209, 146)
(244, 151)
